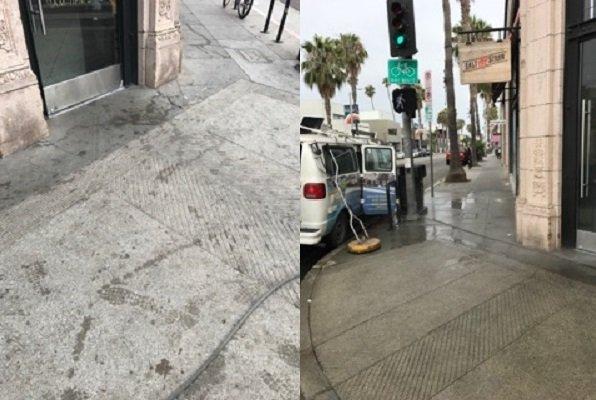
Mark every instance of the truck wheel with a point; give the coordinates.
(339, 233)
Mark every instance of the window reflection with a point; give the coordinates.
(589, 9)
(80, 36)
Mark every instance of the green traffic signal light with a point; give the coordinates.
(400, 40)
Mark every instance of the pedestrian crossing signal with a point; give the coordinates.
(405, 100)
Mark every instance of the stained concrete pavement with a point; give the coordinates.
(148, 245)
(451, 308)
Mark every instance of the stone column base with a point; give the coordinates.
(160, 57)
(22, 120)
(537, 226)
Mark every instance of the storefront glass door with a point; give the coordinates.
(76, 43)
(586, 222)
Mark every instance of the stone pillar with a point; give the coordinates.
(159, 42)
(538, 206)
(22, 120)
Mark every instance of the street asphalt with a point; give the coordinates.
(148, 246)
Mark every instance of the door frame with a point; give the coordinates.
(576, 32)
(127, 23)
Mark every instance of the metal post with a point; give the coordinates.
(410, 188)
(432, 176)
(283, 21)
(389, 206)
(268, 19)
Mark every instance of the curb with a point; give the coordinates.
(310, 367)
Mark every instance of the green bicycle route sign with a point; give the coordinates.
(402, 72)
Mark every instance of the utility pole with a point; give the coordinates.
(412, 214)
(428, 99)
(432, 174)
(404, 71)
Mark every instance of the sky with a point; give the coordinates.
(368, 19)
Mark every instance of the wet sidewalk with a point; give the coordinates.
(450, 308)
(147, 247)
(484, 206)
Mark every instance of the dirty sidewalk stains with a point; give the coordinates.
(164, 174)
(290, 354)
(35, 272)
(120, 296)
(163, 368)
(73, 394)
(80, 342)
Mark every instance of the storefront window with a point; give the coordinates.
(589, 11)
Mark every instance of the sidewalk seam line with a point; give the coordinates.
(400, 305)
(533, 276)
(501, 350)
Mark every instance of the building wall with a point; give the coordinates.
(382, 124)
(538, 205)
(316, 108)
(21, 109)
(22, 120)
(160, 50)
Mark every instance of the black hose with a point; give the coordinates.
(235, 328)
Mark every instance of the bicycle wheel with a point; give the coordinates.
(225, 3)
(244, 8)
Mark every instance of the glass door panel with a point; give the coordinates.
(586, 222)
(77, 47)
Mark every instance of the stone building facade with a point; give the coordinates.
(55, 54)
(547, 146)
(538, 205)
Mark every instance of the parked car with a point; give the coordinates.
(400, 155)
(362, 169)
(462, 156)
(415, 153)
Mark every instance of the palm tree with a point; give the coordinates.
(420, 95)
(387, 84)
(442, 117)
(471, 23)
(485, 91)
(354, 55)
(324, 68)
(465, 26)
(370, 91)
(460, 124)
(456, 172)
(478, 24)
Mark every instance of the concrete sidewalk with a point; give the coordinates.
(147, 248)
(450, 308)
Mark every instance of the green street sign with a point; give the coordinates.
(402, 72)
(428, 111)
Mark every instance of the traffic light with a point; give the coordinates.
(402, 28)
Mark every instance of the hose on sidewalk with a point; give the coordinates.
(228, 337)
(343, 198)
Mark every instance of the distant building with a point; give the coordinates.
(316, 109)
(386, 129)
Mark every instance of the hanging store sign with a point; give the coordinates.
(485, 62)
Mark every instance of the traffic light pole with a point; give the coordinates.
(432, 175)
(412, 208)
